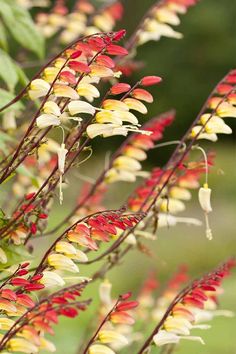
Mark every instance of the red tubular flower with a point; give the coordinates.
(114, 49)
(120, 88)
(150, 80)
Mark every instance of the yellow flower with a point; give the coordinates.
(111, 337)
(76, 107)
(65, 91)
(204, 196)
(100, 349)
(6, 323)
(163, 14)
(87, 90)
(47, 120)
(226, 109)
(51, 278)
(21, 345)
(127, 163)
(47, 345)
(51, 107)
(59, 261)
(3, 256)
(203, 135)
(38, 88)
(136, 105)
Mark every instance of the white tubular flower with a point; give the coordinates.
(127, 163)
(51, 107)
(180, 193)
(226, 109)
(204, 197)
(111, 337)
(114, 175)
(87, 90)
(51, 278)
(171, 205)
(163, 14)
(3, 256)
(47, 120)
(106, 116)
(105, 293)
(167, 220)
(61, 262)
(106, 130)
(100, 349)
(204, 135)
(217, 125)
(76, 107)
(9, 120)
(38, 88)
(61, 153)
(163, 337)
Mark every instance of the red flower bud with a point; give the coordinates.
(19, 282)
(150, 80)
(8, 294)
(25, 265)
(29, 196)
(114, 49)
(42, 216)
(34, 287)
(76, 54)
(22, 272)
(118, 35)
(120, 88)
(33, 228)
(127, 305)
(126, 296)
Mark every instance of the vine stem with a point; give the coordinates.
(106, 318)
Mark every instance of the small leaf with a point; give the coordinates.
(3, 38)
(6, 97)
(15, 255)
(8, 70)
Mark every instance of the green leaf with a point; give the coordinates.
(23, 170)
(8, 70)
(22, 27)
(15, 254)
(6, 97)
(3, 38)
(23, 79)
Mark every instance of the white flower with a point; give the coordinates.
(204, 197)
(76, 107)
(47, 120)
(61, 153)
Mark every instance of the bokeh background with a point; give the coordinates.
(190, 67)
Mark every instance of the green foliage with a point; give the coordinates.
(6, 97)
(21, 27)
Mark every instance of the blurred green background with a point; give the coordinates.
(191, 67)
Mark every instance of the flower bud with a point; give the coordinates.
(204, 197)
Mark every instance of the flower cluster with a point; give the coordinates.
(71, 247)
(84, 19)
(220, 105)
(192, 307)
(127, 164)
(27, 333)
(109, 334)
(160, 20)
